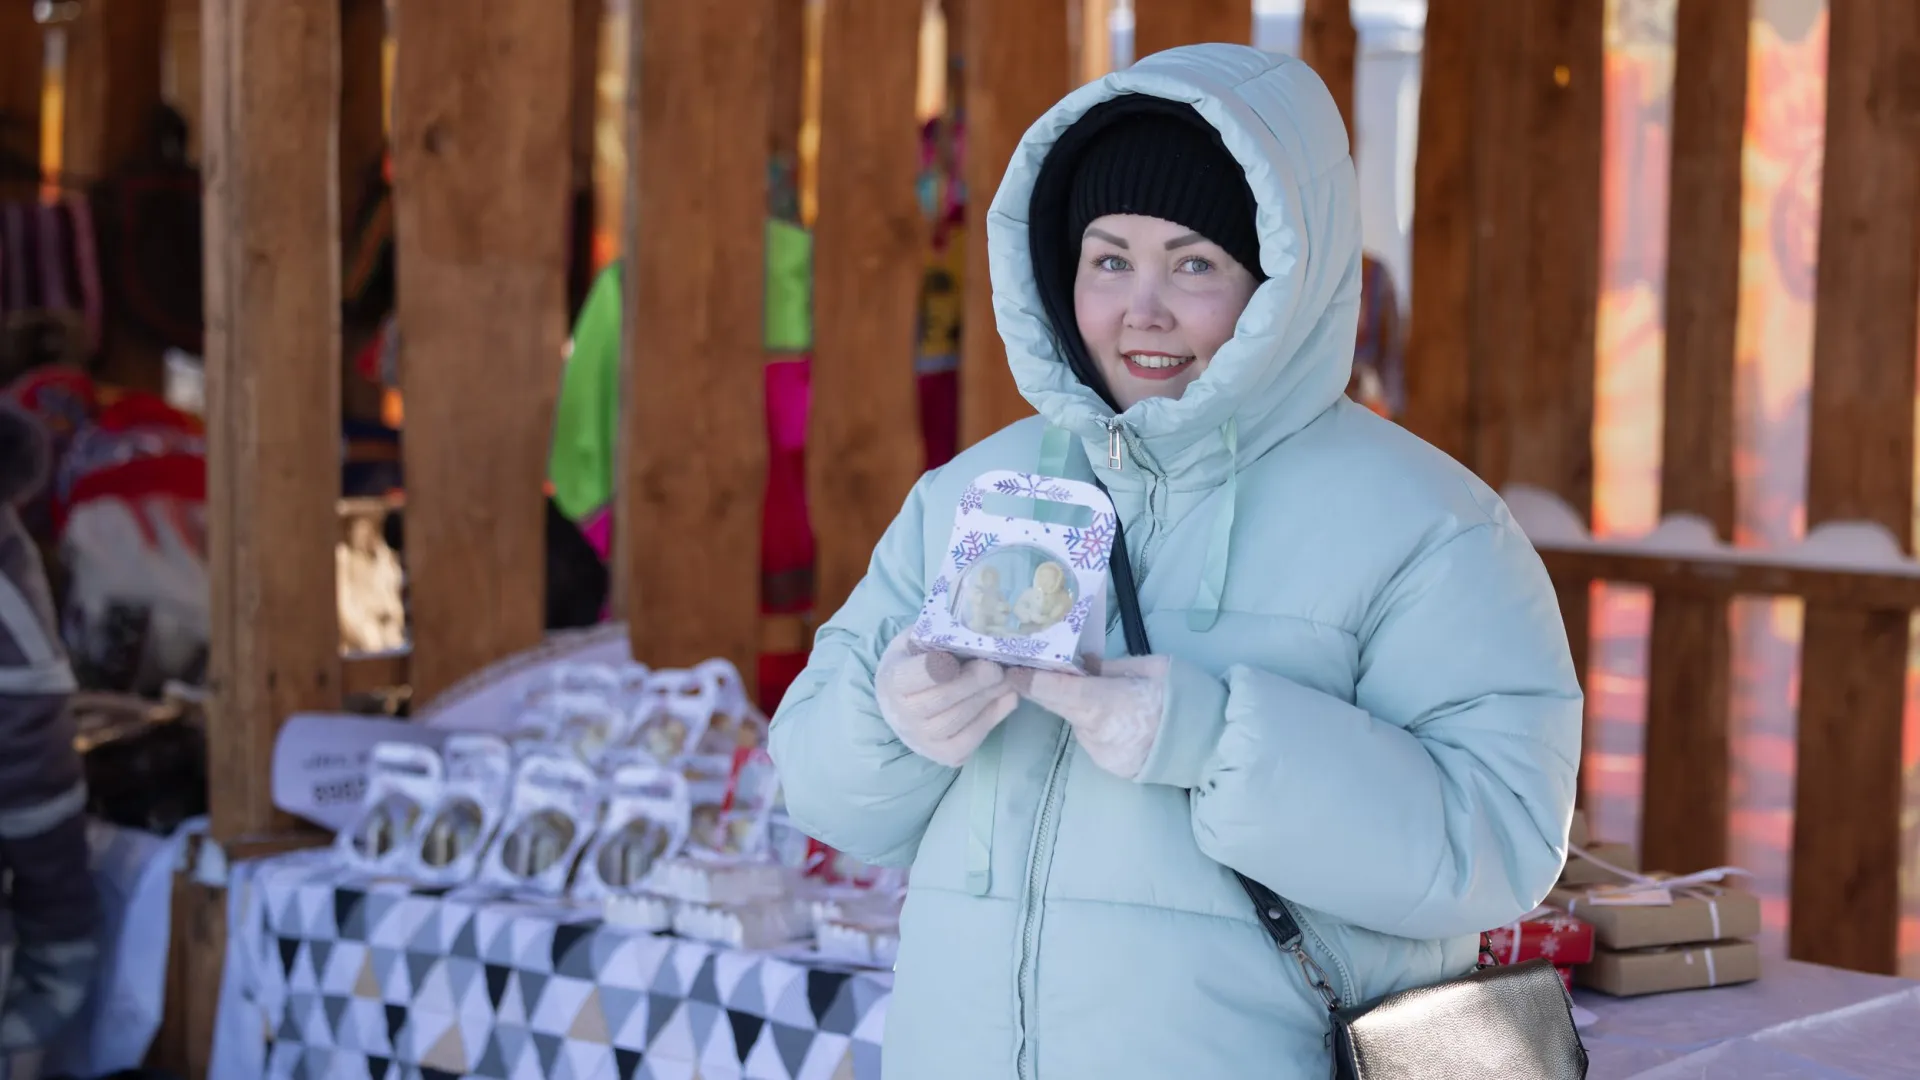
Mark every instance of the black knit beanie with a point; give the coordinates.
(1134, 154)
(1166, 167)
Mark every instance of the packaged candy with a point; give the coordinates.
(866, 942)
(586, 725)
(633, 676)
(645, 824)
(403, 780)
(673, 714)
(704, 881)
(734, 723)
(479, 775)
(1024, 590)
(730, 821)
(554, 810)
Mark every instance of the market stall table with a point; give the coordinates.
(342, 979)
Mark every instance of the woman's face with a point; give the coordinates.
(1154, 301)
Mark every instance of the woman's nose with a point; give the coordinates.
(1146, 310)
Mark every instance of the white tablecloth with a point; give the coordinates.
(1799, 1021)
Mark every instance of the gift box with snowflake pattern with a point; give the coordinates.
(1024, 580)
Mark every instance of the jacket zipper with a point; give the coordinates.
(1347, 989)
(1037, 871)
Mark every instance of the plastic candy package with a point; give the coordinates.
(703, 881)
(730, 822)
(645, 824)
(734, 723)
(756, 924)
(585, 725)
(1024, 590)
(479, 775)
(403, 780)
(555, 809)
(672, 715)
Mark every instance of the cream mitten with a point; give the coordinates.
(1115, 715)
(940, 706)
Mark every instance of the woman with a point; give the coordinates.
(1362, 695)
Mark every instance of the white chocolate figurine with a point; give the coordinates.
(986, 610)
(1046, 602)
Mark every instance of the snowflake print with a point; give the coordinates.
(972, 546)
(923, 628)
(941, 641)
(1077, 618)
(940, 585)
(1090, 546)
(1019, 646)
(972, 498)
(1028, 486)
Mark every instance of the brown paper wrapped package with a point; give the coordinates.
(1656, 971)
(1703, 913)
(1579, 871)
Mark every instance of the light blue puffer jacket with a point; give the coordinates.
(1372, 708)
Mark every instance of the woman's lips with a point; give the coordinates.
(1158, 372)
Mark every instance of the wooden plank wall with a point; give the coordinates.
(1093, 38)
(1846, 852)
(21, 50)
(1019, 63)
(863, 438)
(482, 176)
(1163, 24)
(273, 340)
(1330, 45)
(687, 532)
(1685, 803)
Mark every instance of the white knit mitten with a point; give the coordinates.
(941, 707)
(1115, 715)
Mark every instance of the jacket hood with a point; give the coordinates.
(1292, 352)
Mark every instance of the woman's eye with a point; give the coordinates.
(1112, 264)
(1194, 264)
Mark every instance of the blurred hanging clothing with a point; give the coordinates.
(1379, 375)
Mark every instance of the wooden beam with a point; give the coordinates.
(1330, 45)
(482, 176)
(112, 84)
(1684, 809)
(273, 341)
(1164, 24)
(1440, 338)
(1095, 46)
(1018, 66)
(693, 425)
(1848, 785)
(863, 435)
(22, 49)
(1717, 581)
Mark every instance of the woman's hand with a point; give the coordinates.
(1115, 715)
(941, 707)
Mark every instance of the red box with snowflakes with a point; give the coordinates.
(1544, 934)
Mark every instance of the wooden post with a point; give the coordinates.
(1164, 24)
(863, 439)
(1440, 338)
(481, 180)
(693, 426)
(1683, 820)
(1018, 65)
(1096, 38)
(1330, 45)
(1846, 851)
(273, 340)
(21, 48)
(112, 84)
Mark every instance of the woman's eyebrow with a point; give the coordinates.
(1107, 236)
(1183, 241)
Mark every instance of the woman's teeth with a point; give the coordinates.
(1148, 360)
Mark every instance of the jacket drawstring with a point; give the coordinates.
(1213, 573)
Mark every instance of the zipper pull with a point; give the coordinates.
(1114, 445)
